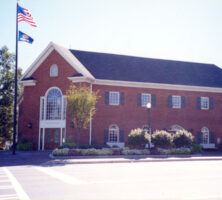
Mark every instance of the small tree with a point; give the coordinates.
(7, 84)
(162, 139)
(81, 104)
(138, 137)
(183, 138)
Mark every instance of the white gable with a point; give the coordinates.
(65, 53)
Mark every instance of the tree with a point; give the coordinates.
(7, 63)
(81, 105)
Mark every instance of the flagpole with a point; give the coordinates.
(15, 95)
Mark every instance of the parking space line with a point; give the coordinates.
(61, 176)
(7, 197)
(5, 187)
(16, 185)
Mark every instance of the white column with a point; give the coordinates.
(64, 134)
(43, 139)
(39, 142)
(61, 136)
(90, 122)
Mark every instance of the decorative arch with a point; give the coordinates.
(175, 128)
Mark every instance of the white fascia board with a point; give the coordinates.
(73, 61)
(38, 61)
(157, 86)
(65, 53)
(28, 82)
(81, 79)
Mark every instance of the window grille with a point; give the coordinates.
(176, 101)
(113, 133)
(145, 99)
(54, 105)
(114, 98)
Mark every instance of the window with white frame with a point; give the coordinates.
(54, 105)
(205, 135)
(114, 133)
(54, 71)
(114, 98)
(146, 98)
(204, 103)
(176, 101)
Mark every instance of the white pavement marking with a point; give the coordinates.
(8, 197)
(61, 176)
(18, 188)
(5, 187)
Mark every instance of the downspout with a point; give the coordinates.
(90, 122)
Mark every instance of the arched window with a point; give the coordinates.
(113, 133)
(175, 128)
(205, 135)
(54, 71)
(54, 104)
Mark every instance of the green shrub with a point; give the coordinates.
(175, 151)
(162, 139)
(96, 152)
(138, 137)
(135, 152)
(60, 152)
(24, 145)
(68, 144)
(197, 148)
(183, 138)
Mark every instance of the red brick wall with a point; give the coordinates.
(130, 116)
(127, 116)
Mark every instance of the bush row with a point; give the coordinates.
(99, 152)
(118, 151)
(161, 138)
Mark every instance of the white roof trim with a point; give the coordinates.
(65, 53)
(157, 86)
(81, 79)
(28, 82)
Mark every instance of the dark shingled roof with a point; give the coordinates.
(130, 68)
(28, 79)
(77, 75)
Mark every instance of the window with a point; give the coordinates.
(113, 134)
(205, 135)
(54, 105)
(54, 71)
(114, 98)
(145, 99)
(204, 103)
(176, 101)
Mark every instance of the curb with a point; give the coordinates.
(132, 159)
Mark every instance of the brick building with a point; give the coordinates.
(183, 95)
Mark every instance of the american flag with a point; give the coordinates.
(24, 15)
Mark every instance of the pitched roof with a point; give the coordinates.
(139, 69)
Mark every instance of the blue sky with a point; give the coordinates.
(187, 30)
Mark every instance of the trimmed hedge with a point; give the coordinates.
(24, 145)
(138, 137)
(99, 152)
(162, 139)
(183, 138)
(174, 151)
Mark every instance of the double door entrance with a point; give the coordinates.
(51, 138)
